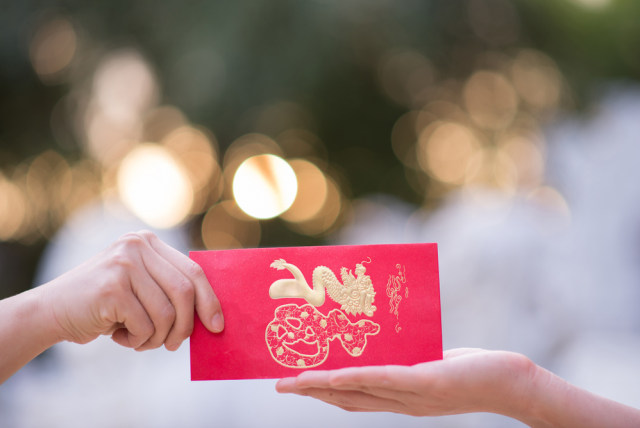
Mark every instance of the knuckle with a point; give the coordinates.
(113, 286)
(121, 262)
(106, 312)
(131, 241)
(145, 234)
(119, 266)
(107, 294)
(183, 289)
(193, 270)
(124, 252)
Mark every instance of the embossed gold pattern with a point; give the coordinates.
(305, 326)
(355, 293)
(394, 285)
(294, 324)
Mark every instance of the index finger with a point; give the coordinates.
(206, 302)
(360, 387)
(397, 378)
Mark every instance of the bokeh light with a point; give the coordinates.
(124, 90)
(154, 186)
(225, 225)
(491, 168)
(241, 149)
(52, 48)
(537, 79)
(527, 157)
(12, 209)
(327, 219)
(312, 192)
(197, 153)
(445, 151)
(161, 121)
(264, 186)
(490, 99)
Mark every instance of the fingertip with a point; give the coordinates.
(209, 309)
(172, 347)
(285, 385)
(217, 322)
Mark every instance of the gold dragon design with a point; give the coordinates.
(355, 293)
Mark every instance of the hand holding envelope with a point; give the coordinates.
(139, 290)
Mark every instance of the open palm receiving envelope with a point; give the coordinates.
(293, 309)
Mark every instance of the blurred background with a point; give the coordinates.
(507, 131)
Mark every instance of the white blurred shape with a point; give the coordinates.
(124, 84)
(155, 186)
(265, 186)
(124, 89)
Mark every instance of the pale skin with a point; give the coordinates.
(139, 290)
(465, 381)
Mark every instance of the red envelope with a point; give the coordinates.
(292, 309)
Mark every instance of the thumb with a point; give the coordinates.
(208, 308)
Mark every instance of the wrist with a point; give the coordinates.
(557, 403)
(547, 400)
(527, 395)
(26, 330)
(540, 396)
(45, 320)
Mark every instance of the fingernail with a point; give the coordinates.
(217, 323)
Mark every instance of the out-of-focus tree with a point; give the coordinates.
(413, 98)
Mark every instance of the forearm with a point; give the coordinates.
(553, 402)
(26, 330)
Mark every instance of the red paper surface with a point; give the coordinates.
(267, 337)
